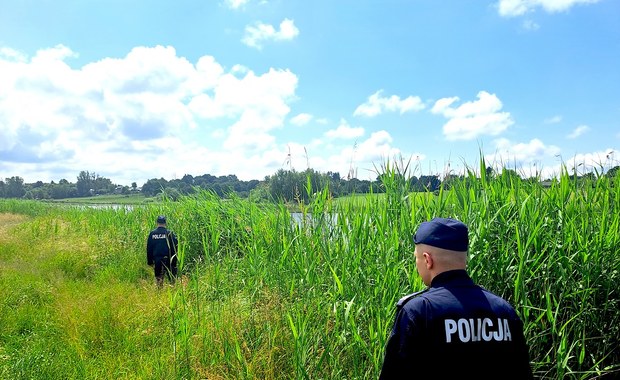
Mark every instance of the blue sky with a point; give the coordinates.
(133, 90)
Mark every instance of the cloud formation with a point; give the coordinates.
(153, 114)
(236, 4)
(376, 105)
(473, 119)
(554, 119)
(345, 131)
(301, 119)
(259, 33)
(580, 130)
(530, 25)
(513, 8)
(135, 110)
(583, 163)
(524, 157)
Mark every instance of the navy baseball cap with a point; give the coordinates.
(161, 219)
(443, 233)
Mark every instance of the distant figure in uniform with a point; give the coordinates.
(161, 251)
(454, 328)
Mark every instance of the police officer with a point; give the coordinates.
(454, 327)
(161, 251)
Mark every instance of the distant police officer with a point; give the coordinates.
(454, 327)
(161, 251)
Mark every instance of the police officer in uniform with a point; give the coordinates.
(454, 328)
(161, 251)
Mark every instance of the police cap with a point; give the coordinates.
(443, 233)
(161, 219)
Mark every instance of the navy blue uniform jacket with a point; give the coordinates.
(159, 244)
(456, 328)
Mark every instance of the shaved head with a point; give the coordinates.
(430, 261)
(445, 257)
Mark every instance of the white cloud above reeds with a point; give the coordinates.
(525, 157)
(236, 4)
(473, 119)
(257, 34)
(513, 8)
(345, 131)
(580, 130)
(301, 119)
(377, 104)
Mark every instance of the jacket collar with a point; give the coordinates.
(452, 277)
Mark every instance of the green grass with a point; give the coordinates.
(116, 199)
(263, 297)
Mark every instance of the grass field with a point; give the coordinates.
(262, 297)
(116, 199)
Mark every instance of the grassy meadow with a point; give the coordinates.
(264, 297)
(108, 199)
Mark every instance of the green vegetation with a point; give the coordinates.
(115, 199)
(264, 297)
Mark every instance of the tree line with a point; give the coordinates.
(286, 185)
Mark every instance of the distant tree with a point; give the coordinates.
(188, 179)
(15, 187)
(102, 185)
(154, 186)
(286, 185)
(37, 193)
(260, 192)
(62, 191)
(134, 186)
(170, 193)
(428, 183)
(85, 183)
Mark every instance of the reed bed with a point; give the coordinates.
(267, 296)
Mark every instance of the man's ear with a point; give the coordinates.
(428, 259)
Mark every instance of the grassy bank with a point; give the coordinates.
(263, 297)
(115, 199)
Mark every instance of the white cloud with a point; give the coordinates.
(301, 119)
(236, 4)
(148, 113)
(554, 119)
(588, 162)
(377, 148)
(530, 25)
(360, 158)
(526, 157)
(580, 130)
(345, 131)
(512, 8)
(257, 34)
(442, 105)
(322, 121)
(12, 54)
(473, 119)
(376, 104)
(535, 149)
